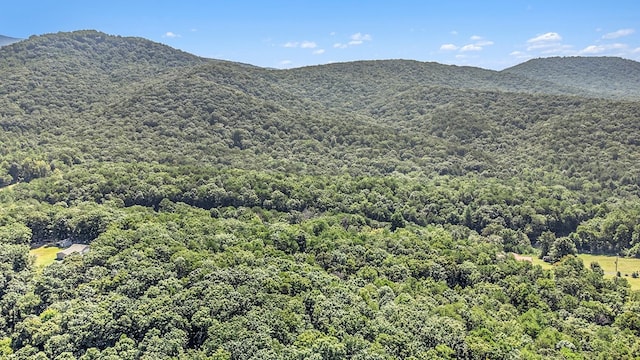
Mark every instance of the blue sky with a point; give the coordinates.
(283, 34)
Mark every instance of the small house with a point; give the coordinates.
(74, 248)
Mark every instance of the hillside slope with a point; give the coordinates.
(362, 210)
(355, 85)
(74, 71)
(117, 99)
(598, 76)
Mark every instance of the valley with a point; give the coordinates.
(355, 210)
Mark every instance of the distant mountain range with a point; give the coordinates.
(99, 97)
(6, 40)
(597, 76)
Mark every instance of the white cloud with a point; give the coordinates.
(453, 32)
(356, 39)
(548, 37)
(171, 35)
(547, 43)
(361, 37)
(636, 50)
(619, 33)
(593, 49)
(285, 62)
(484, 43)
(598, 49)
(478, 45)
(308, 45)
(304, 45)
(471, 47)
(318, 52)
(448, 47)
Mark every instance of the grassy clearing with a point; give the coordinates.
(44, 255)
(626, 266)
(608, 263)
(545, 265)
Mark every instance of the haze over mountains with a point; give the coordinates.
(597, 76)
(6, 40)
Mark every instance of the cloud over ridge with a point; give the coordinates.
(618, 34)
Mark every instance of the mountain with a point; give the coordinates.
(367, 80)
(114, 98)
(6, 40)
(360, 210)
(598, 76)
(84, 67)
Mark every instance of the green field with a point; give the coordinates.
(625, 265)
(538, 261)
(44, 255)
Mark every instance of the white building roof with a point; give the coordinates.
(79, 248)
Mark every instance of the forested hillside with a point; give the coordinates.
(363, 210)
(597, 76)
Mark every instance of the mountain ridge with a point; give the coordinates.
(364, 210)
(516, 78)
(113, 98)
(7, 40)
(609, 76)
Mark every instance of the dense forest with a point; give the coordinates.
(363, 210)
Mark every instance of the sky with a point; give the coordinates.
(490, 34)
